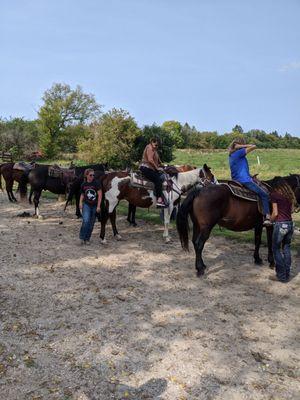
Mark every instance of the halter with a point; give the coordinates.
(203, 182)
(206, 181)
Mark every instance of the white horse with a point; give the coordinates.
(120, 188)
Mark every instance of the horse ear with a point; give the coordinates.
(206, 167)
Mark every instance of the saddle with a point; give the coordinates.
(66, 175)
(138, 180)
(239, 190)
(23, 166)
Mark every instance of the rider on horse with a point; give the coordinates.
(151, 168)
(239, 167)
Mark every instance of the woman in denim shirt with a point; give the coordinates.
(283, 201)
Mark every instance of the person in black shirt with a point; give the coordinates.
(89, 204)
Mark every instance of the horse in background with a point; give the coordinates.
(40, 179)
(215, 204)
(13, 172)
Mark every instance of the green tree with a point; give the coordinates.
(238, 129)
(63, 108)
(112, 139)
(175, 130)
(19, 136)
(166, 143)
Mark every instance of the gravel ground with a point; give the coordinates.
(130, 320)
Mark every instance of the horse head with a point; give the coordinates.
(206, 176)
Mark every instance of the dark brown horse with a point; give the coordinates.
(10, 174)
(39, 180)
(216, 204)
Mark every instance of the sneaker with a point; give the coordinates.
(82, 242)
(87, 242)
(267, 222)
(274, 278)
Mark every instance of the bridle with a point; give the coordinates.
(205, 181)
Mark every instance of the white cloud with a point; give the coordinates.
(292, 66)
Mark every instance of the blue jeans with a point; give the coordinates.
(262, 195)
(88, 220)
(281, 245)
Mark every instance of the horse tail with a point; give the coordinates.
(182, 222)
(23, 184)
(70, 197)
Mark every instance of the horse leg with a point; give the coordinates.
(133, 222)
(78, 213)
(104, 219)
(9, 196)
(129, 213)
(200, 236)
(167, 214)
(30, 196)
(13, 196)
(112, 217)
(270, 251)
(9, 190)
(36, 200)
(257, 238)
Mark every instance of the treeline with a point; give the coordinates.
(71, 121)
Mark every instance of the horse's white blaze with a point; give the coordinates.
(112, 194)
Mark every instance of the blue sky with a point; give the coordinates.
(211, 63)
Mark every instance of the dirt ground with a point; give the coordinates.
(130, 320)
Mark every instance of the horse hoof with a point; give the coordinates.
(118, 237)
(258, 261)
(134, 224)
(271, 266)
(168, 239)
(103, 241)
(200, 273)
(40, 217)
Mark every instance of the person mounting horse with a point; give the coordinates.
(152, 168)
(239, 168)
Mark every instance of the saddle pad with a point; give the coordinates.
(55, 171)
(138, 180)
(240, 191)
(65, 174)
(22, 166)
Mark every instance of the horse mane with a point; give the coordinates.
(286, 178)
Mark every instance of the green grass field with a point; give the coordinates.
(272, 162)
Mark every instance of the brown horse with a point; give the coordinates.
(10, 174)
(117, 186)
(215, 204)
